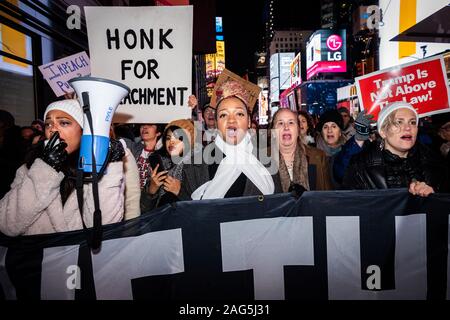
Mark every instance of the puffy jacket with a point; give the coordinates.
(34, 205)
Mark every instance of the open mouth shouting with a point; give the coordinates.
(406, 137)
(231, 131)
(286, 136)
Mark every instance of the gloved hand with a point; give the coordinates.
(362, 125)
(296, 190)
(116, 151)
(55, 153)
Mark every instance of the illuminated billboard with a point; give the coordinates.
(219, 25)
(401, 16)
(263, 107)
(214, 63)
(280, 73)
(296, 75)
(326, 52)
(285, 69)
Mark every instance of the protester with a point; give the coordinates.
(330, 139)
(42, 198)
(353, 146)
(299, 164)
(399, 161)
(235, 171)
(149, 134)
(348, 130)
(165, 183)
(306, 128)
(329, 132)
(132, 207)
(441, 143)
(27, 133)
(39, 127)
(209, 120)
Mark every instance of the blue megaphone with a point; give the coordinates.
(100, 97)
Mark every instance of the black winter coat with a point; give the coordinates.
(374, 168)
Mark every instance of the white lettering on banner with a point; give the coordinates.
(246, 245)
(344, 261)
(124, 259)
(5, 283)
(54, 278)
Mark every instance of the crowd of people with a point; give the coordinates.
(163, 164)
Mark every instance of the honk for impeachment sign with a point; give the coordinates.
(148, 49)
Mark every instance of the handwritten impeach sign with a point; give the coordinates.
(58, 72)
(149, 49)
(424, 84)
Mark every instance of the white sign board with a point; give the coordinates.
(58, 72)
(149, 49)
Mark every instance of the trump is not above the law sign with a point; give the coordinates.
(149, 49)
(58, 72)
(423, 83)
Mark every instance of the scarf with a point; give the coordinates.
(239, 159)
(300, 169)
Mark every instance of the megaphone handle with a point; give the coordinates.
(97, 223)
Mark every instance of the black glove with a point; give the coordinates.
(296, 190)
(362, 125)
(55, 153)
(116, 151)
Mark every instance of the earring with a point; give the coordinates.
(382, 145)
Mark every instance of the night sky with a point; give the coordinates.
(243, 24)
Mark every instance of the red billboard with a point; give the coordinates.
(326, 52)
(423, 83)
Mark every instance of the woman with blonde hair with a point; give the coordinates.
(399, 160)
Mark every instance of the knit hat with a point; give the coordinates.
(331, 115)
(386, 111)
(185, 124)
(343, 110)
(232, 88)
(70, 106)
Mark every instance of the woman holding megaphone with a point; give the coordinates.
(42, 198)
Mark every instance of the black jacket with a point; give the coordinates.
(374, 168)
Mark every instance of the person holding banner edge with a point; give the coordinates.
(42, 198)
(399, 161)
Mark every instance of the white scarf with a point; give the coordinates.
(239, 159)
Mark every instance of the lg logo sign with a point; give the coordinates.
(334, 43)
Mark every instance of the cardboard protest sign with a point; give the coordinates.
(251, 88)
(58, 72)
(149, 49)
(423, 83)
